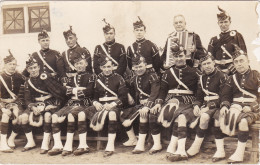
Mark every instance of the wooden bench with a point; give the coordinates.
(97, 138)
(254, 129)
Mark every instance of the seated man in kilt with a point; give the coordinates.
(178, 86)
(145, 87)
(239, 107)
(11, 88)
(110, 96)
(207, 99)
(43, 96)
(79, 90)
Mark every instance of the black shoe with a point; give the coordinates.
(54, 152)
(136, 151)
(43, 151)
(233, 161)
(153, 151)
(177, 157)
(66, 153)
(81, 151)
(216, 159)
(28, 148)
(108, 153)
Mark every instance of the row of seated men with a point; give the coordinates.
(63, 86)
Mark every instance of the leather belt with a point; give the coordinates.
(244, 100)
(209, 98)
(223, 62)
(108, 98)
(180, 91)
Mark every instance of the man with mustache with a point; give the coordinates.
(195, 49)
(239, 107)
(221, 46)
(112, 49)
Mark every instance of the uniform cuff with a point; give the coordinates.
(159, 101)
(225, 103)
(149, 104)
(81, 94)
(69, 91)
(119, 103)
(198, 103)
(211, 105)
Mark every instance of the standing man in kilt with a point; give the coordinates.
(11, 91)
(79, 90)
(69, 55)
(239, 107)
(209, 90)
(145, 48)
(196, 48)
(111, 49)
(221, 46)
(178, 87)
(43, 95)
(145, 87)
(47, 58)
(110, 96)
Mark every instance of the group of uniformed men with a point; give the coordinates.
(54, 87)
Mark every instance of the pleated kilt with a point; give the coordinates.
(91, 111)
(251, 117)
(74, 107)
(127, 113)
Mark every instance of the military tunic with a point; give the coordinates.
(170, 88)
(52, 58)
(71, 55)
(79, 100)
(225, 40)
(250, 82)
(149, 51)
(145, 89)
(39, 90)
(116, 51)
(15, 83)
(213, 82)
(194, 55)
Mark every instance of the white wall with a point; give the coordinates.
(85, 17)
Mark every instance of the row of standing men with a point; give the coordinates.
(181, 96)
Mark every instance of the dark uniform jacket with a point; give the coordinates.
(148, 50)
(148, 83)
(49, 85)
(249, 81)
(116, 51)
(189, 76)
(227, 40)
(213, 82)
(86, 80)
(52, 58)
(14, 83)
(114, 82)
(72, 54)
(194, 55)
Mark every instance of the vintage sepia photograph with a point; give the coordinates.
(129, 82)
